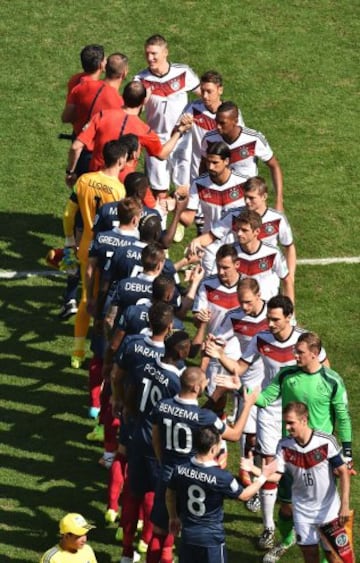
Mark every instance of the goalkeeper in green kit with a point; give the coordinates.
(324, 393)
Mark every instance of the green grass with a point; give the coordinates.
(292, 67)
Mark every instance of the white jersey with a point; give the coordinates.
(314, 495)
(267, 265)
(243, 327)
(276, 354)
(246, 150)
(216, 199)
(275, 228)
(168, 96)
(204, 121)
(216, 297)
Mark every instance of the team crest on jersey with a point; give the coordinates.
(269, 229)
(175, 84)
(234, 193)
(263, 265)
(244, 153)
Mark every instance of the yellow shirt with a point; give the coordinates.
(90, 192)
(58, 555)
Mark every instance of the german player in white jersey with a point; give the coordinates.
(204, 113)
(218, 294)
(311, 457)
(276, 348)
(247, 146)
(275, 228)
(259, 260)
(243, 324)
(167, 85)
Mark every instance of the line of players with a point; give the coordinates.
(255, 325)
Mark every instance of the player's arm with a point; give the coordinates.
(247, 464)
(117, 377)
(174, 521)
(288, 287)
(69, 220)
(188, 299)
(178, 131)
(290, 257)
(344, 479)
(156, 441)
(234, 434)
(270, 393)
(199, 243)
(268, 472)
(73, 157)
(187, 217)
(168, 237)
(69, 113)
(277, 180)
(339, 403)
(112, 348)
(91, 268)
(238, 368)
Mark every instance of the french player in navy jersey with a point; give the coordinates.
(105, 243)
(100, 252)
(175, 421)
(139, 380)
(194, 499)
(129, 290)
(136, 184)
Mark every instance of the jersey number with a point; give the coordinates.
(164, 104)
(196, 500)
(152, 393)
(173, 434)
(308, 479)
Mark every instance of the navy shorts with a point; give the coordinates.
(143, 471)
(200, 554)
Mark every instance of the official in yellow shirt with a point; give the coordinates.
(72, 547)
(90, 192)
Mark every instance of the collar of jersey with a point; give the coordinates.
(186, 401)
(151, 342)
(194, 461)
(168, 367)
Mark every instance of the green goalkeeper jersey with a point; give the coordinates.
(323, 392)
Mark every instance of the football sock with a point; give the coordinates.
(286, 528)
(268, 496)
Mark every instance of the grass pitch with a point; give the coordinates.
(293, 70)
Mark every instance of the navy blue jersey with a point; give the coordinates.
(129, 290)
(156, 381)
(177, 420)
(107, 216)
(125, 260)
(105, 244)
(135, 318)
(201, 489)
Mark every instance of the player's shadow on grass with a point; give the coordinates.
(23, 245)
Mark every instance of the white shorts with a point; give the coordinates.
(308, 534)
(176, 169)
(268, 429)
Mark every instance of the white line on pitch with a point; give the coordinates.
(326, 261)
